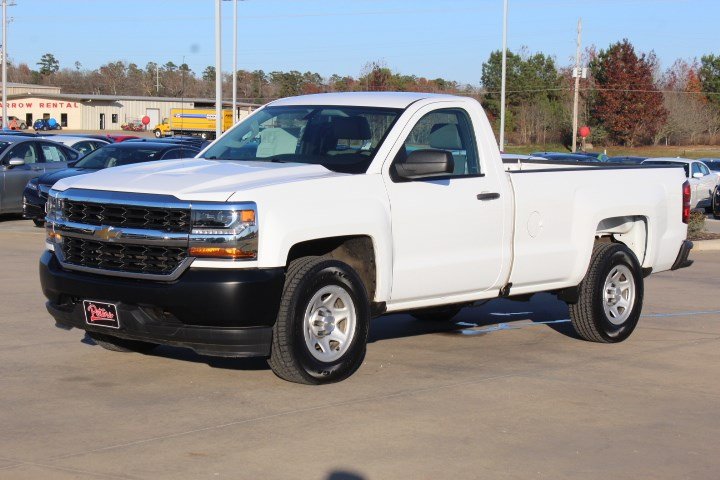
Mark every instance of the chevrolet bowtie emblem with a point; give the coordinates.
(108, 233)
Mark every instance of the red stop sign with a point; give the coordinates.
(145, 120)
(584, 131)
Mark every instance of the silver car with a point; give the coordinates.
(22, 158)
(702, 181)
(83, 145)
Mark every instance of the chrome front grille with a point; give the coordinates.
(174, 220)
(122, 257)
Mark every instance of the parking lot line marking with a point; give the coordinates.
(473, 330)
(681, 314)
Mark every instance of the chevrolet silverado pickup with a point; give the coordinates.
(284, 237)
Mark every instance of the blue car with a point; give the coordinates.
(49, 124)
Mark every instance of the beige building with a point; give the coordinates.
(97, 112)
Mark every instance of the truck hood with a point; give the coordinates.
(196, 178)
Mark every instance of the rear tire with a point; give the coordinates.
(321, 330)
(611, 295)
(117, 344)
(714, 207)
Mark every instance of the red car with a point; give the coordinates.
(121, 138)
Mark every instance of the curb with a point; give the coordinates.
(706, 245)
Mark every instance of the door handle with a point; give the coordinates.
(488, 196)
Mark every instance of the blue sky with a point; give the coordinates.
(449, 39)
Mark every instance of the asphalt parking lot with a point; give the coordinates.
(506, 392)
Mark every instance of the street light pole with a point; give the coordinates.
(218, 71)
(4, 66)
(235, 44)
(504, 73)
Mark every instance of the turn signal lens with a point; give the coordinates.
(220, 252)
(53, 237)
(247, 216)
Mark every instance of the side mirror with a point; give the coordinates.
(16, 162)
(695, 175)
(425, 163)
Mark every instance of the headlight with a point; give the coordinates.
(229, 233)
(54, 207)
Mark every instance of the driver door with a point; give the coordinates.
(447, 232)
(16, 177)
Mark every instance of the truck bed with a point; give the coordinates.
(560, 209)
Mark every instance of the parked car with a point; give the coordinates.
(599, 156)
(566, 157)
(121, 138)
(14, 123)
(354, 204)
(113, 155)
(192, 141)
(712, 163)
(627, 159)
(702, 180)
(49, 124)
(83, 145)
(23, 158)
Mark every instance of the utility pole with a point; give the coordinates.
(234, 82)
(218, 70)
(577, 72)
(504, 73)
(4, 65)
(157, 78)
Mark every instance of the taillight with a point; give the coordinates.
(686, 202)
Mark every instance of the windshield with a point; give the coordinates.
(674, 164)
(342, 139)
(115, 156)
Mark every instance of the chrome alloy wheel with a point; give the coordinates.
(619, 294)
(329, 323)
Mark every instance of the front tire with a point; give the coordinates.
(321, 331)
(117, 344)
(157, 133)
(38, 223)
(611, 295)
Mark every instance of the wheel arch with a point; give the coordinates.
(630, 230)
(358, 251)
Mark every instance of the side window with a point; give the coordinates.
(704, 169)
(53, 153)
(84, 147)
(172, 154)
(24, 151)
(449, 130)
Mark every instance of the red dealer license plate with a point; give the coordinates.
(101, 314)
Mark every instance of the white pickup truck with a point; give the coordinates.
(316, 213)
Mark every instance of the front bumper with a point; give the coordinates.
(33, 205)
(223, 312)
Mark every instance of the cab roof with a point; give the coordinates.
(362, 99)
